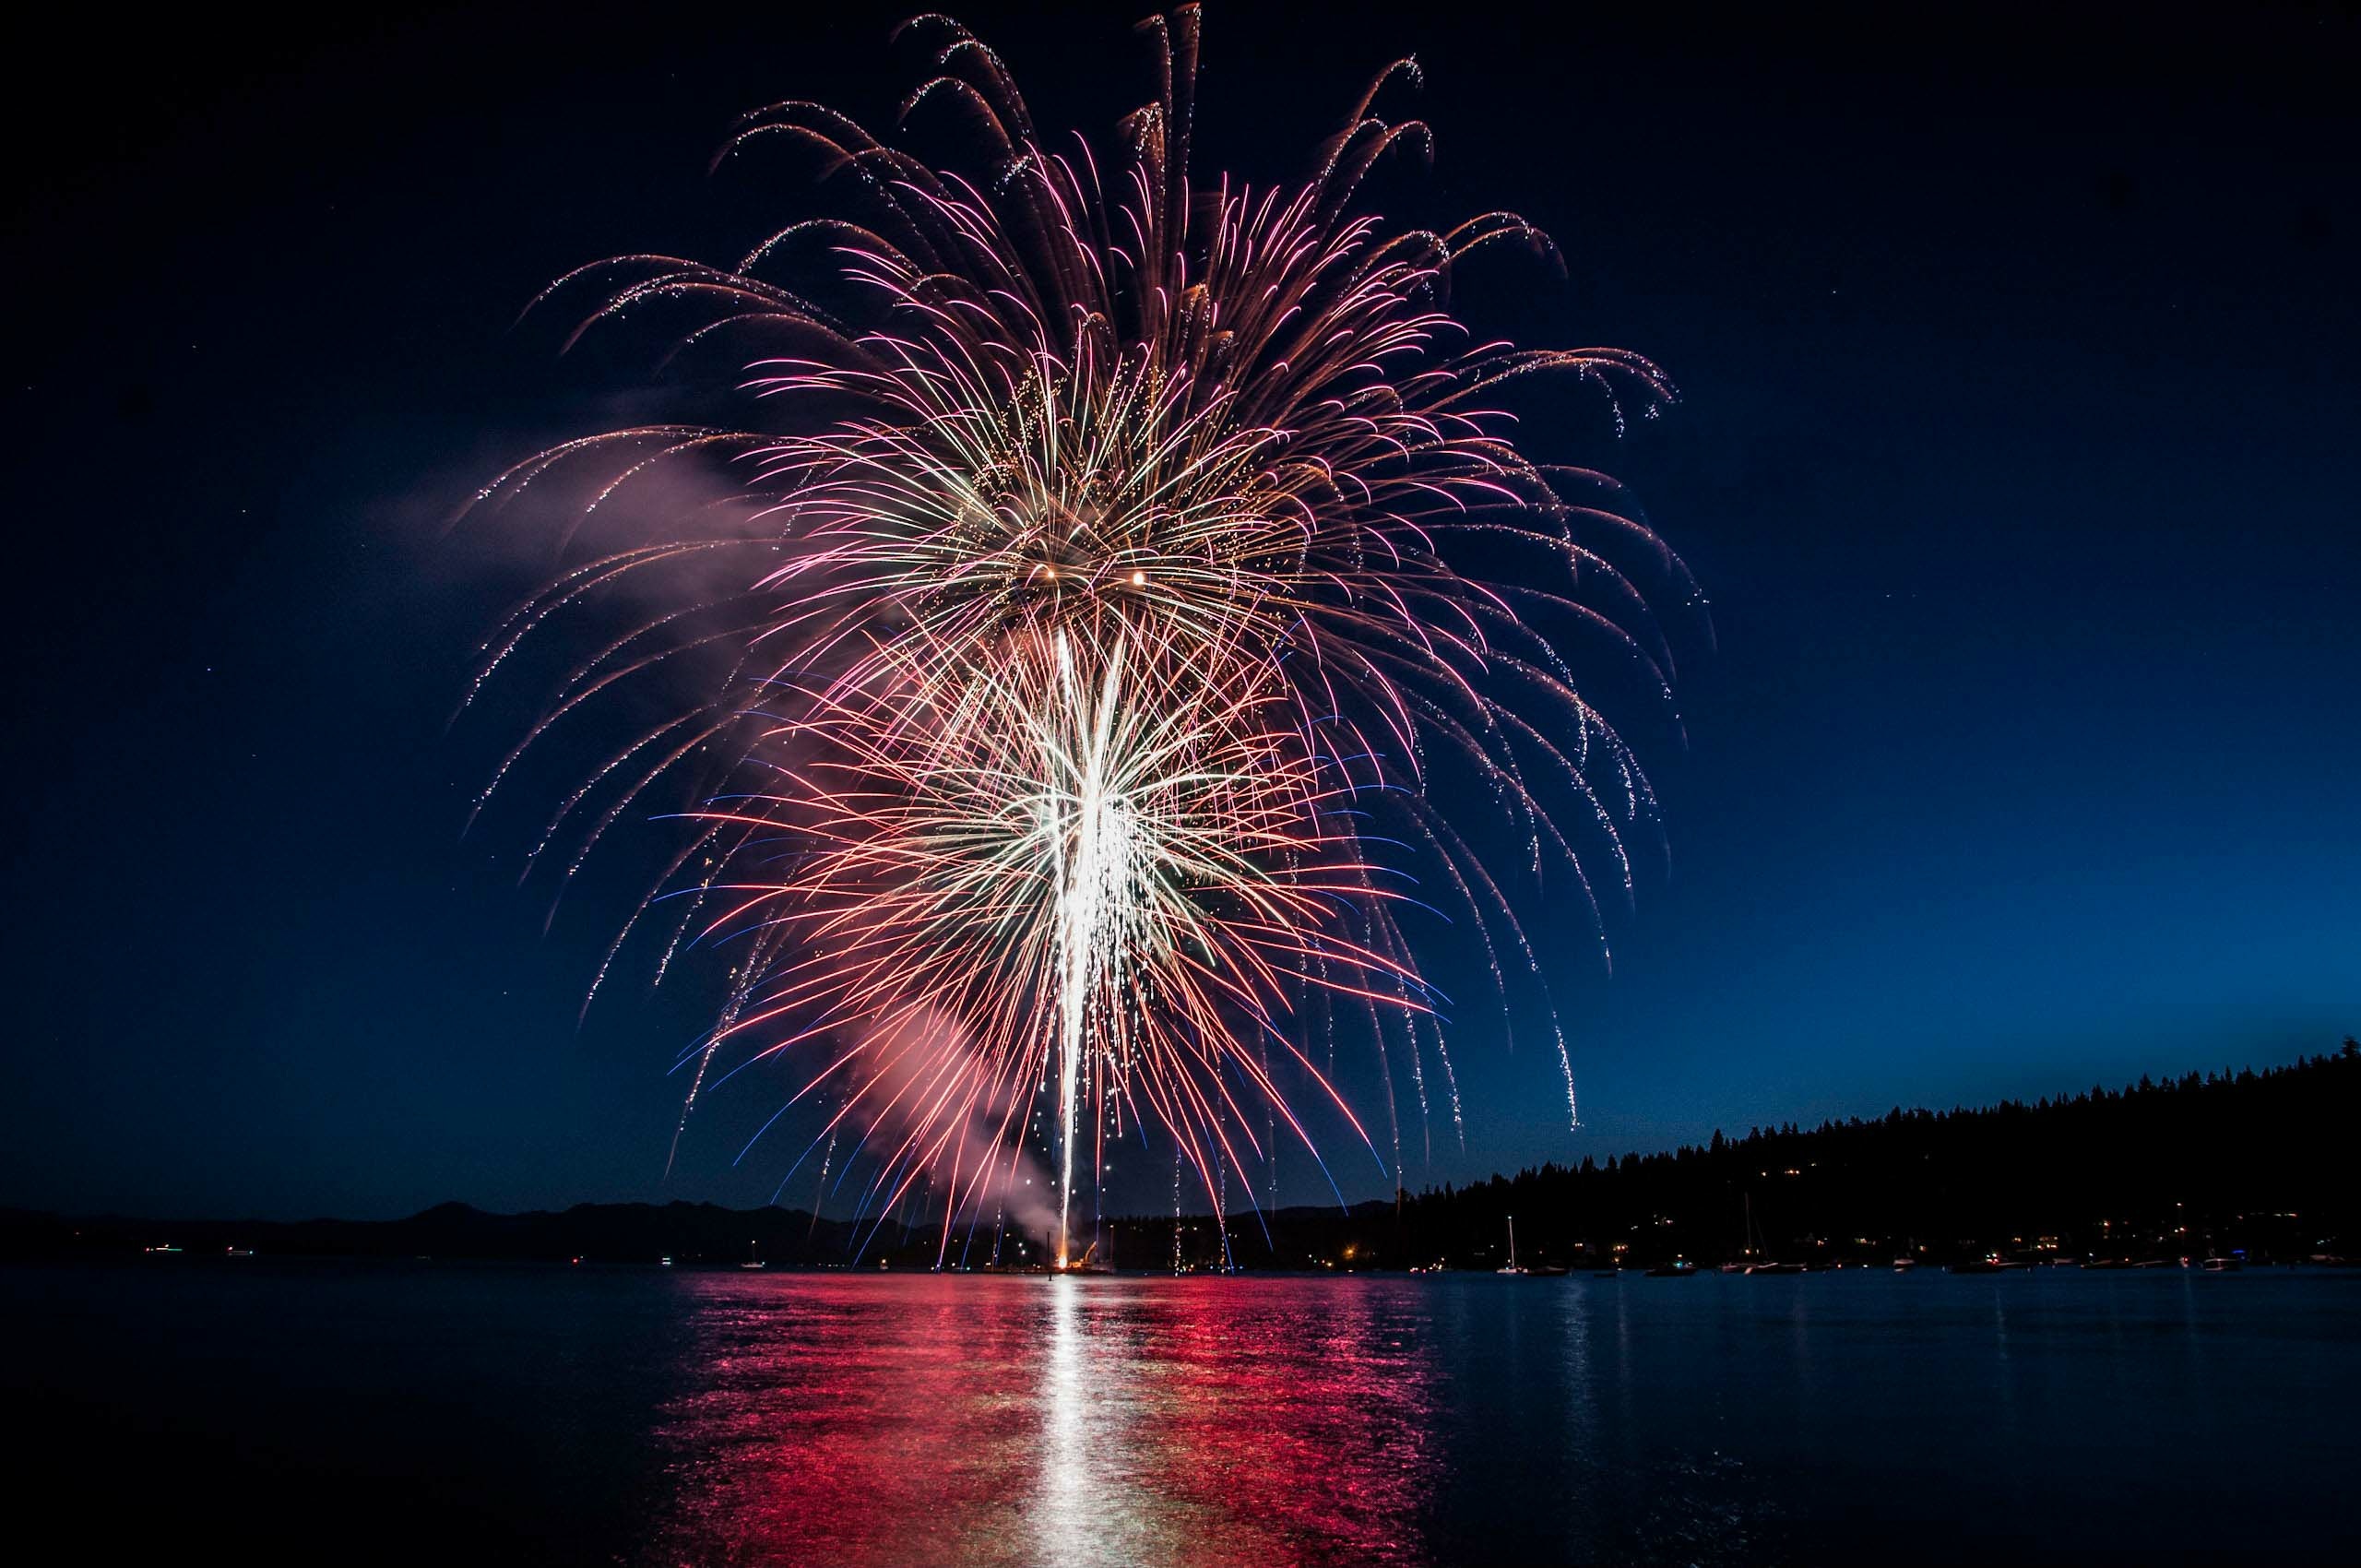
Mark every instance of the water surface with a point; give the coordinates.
(432, 1412)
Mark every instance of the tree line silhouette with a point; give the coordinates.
(2250, 1164)
(2205, 1164)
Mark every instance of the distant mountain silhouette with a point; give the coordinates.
(2201, 1165)
(594, 1232)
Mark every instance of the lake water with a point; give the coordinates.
(441, 1413)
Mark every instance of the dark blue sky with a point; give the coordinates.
(2017, 455)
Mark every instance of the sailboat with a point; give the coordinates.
(1511, 1267)
(1744, 1261)
(752, 1260)
(1756, 1262)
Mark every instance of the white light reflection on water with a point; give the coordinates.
(1078, 1522)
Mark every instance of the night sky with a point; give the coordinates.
(2017, 454)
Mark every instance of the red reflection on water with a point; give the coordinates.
(995, 1420)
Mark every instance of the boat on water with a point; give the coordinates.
(753, 1260)
(1086, 1264)
(1511, 1267)
(1990, 1262)
(1752, 1248)
(1678, 1268)
(2223, 1266)
(1904, 1266)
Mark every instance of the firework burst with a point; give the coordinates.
(1098, 586)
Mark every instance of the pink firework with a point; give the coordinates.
(1034, 686)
